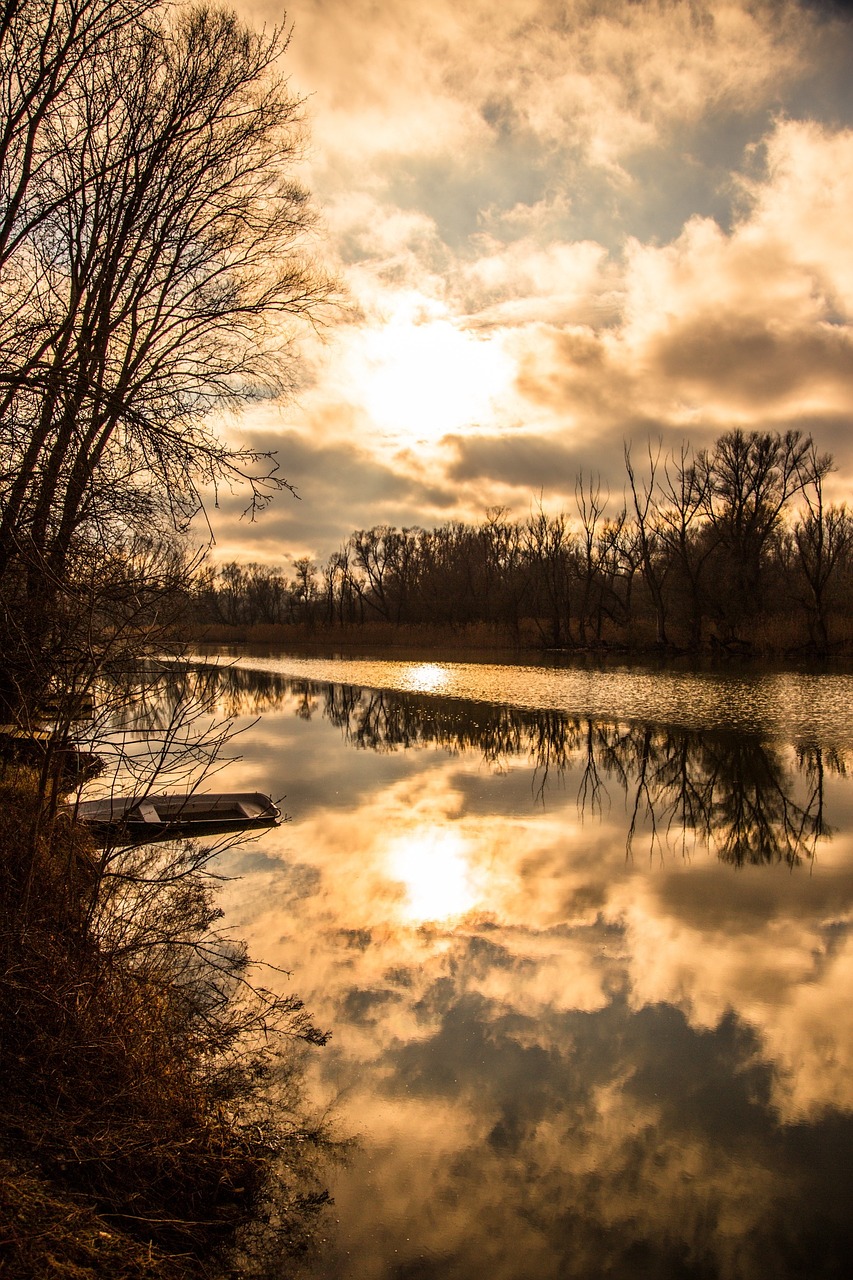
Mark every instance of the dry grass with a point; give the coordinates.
(474, 636)
(141, 1096)
(773, 635)
(47, 1232)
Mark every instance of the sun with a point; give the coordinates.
(423, 375)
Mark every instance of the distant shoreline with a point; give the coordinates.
(478, 643)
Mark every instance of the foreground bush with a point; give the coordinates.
(146, 1102)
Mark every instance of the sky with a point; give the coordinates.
(561, 228)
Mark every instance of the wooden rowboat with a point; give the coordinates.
(156, 816)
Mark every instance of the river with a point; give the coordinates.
(583, 941)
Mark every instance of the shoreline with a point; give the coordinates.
(439, 644)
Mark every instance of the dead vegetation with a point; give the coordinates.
(149, 1089)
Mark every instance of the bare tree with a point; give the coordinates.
(645, 510)
(43, 49)
(504, 586)
(823, 536)
(163, 245)
(304, 587)
(374, 552)
(747, 481)
(679, 528)
(591, 505)
(548, 543)
(613, 565)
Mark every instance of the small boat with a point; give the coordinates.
(156, 816)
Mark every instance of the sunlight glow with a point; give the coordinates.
(425, 677)
(423, 375)
(432, 866)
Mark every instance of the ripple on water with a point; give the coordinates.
(792, 705)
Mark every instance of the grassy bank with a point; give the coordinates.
(771, 637)
(403, 637)
(150, 1114)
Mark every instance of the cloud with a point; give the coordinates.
(531, 464)
(803, 204)
(563, 227)
(749, 327)
(525, 282)
(330, 475)
(756, 370)
(611, 77)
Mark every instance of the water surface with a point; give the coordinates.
(584, 944)
(788, 703)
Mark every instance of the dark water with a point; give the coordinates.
(586, 957)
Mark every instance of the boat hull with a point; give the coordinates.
(155, 817)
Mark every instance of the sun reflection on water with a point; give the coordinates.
(433, 867)
(426, 677)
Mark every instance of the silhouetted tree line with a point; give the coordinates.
(732, 546)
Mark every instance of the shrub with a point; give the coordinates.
(141, 1066)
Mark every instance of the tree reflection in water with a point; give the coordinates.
(736, 793)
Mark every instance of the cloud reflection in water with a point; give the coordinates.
(588, 983)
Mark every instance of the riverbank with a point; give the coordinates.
(149, 1117)
(404, 640)
(492, 642)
